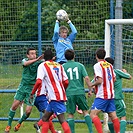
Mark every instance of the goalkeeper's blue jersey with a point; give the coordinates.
(62, 44)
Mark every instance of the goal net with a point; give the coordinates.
(119, 45)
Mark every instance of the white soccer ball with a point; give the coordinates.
(61, 15)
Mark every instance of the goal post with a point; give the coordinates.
(118, 35)
(119, 41)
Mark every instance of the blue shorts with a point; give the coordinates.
(57, 107)
(41, 102)
(106, 105)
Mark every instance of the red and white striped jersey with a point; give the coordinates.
(104, 70)
(53, 75)
(41, 90)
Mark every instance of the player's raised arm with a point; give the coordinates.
(28, 62)
(73, 34)
(56, 31)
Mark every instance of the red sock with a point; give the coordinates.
(116, 124)
(51, 127)
(97, 124)
(66, 127)
(40, 122)
(45, 127)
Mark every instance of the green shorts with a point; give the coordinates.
(74, 100)
(23, 94)
(120, 108)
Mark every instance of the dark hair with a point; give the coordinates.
(110, 60)
(48, 55)
(69, 54)
(101, 53)
(29, 49)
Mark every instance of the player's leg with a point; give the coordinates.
(112, 114)
(45, 120)
(82, 105)
(29, 106)
(98, 105)
(23, 118)
(121, 113)
(63, 123)
(111, 126)
(59, 109)
(105, 123)
(11, 114)
(71, 108)
(41, 103)
(19, 96)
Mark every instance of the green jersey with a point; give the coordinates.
(75, 72)
(29, 72)
(118, 83)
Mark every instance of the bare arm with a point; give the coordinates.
(26, 63)
(89, 84)
(97, 82)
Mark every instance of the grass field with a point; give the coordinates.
(27, 127)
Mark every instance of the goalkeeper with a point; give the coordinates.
(62, 41)
(119, 103)
(30, 65)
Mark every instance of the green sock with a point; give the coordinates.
(88, 122)
(123, 124)
(111, 127)
(71, 124)
(10, 117)
(23, 118)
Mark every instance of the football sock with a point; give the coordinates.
(71, 124)
(97, 124)
(88, 122)
(51, 126)
(66, 127)
(116, 124)
(23, 118)
(40, 122)
(45, 127)
(123, 124)
(111, 127)
(10, 116)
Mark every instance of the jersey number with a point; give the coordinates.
(75, 70)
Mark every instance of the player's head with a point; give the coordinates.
(48, 55)
(100, 53)
(69, 54)
(63, 31)
(110, 60)
(31, 53)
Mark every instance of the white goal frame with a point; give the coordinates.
(107, 31)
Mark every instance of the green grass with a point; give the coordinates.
(27, 127)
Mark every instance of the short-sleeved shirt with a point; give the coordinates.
(104, 70)
(53, 75)
(118, 83)
(29, 72)
(76, 73)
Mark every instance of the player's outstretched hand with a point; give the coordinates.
(67, 18)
